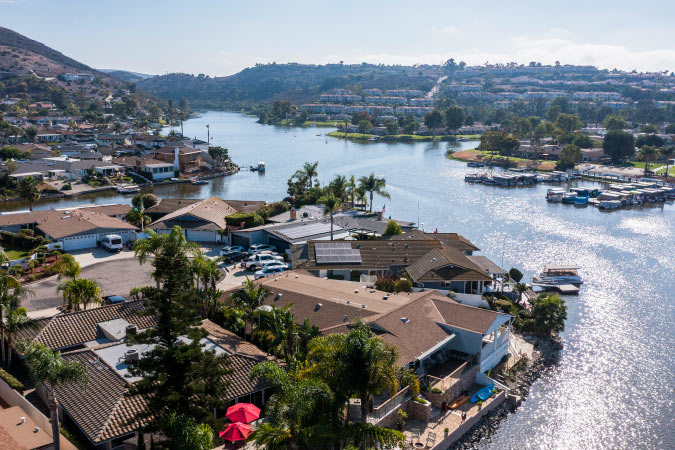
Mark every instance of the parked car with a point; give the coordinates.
(257, 248)
(231, 249)
(270, 270)
(113, 299)
(255, 260)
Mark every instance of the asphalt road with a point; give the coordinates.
(116, 277)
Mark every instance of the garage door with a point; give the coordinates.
(201, 236)
(79, 242)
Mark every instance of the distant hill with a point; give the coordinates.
(125, 75)
(295, 82)
(20, 55)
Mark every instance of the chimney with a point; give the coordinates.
(379, 215)
(130, 330)
(294, 214)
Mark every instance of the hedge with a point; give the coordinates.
(21, 240)
(13, 382)
(249, 219)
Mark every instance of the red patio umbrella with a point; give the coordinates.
(243, 412)
(236, 431)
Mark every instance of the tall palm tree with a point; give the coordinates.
(10, 291)
(373, 185)
(648, 153)
(49, 368)
(28, 190)
(80, 291)
(206, 272)
(152, 247)
(295, 403)
(67, 267)
(351, 189)
(310, 171)
(249, 299)
(668, 153)
(339, 187)
(331, 205)
(520, 288)
(14, 319)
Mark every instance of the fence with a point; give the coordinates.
(388, 406)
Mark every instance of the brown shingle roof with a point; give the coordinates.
(76, 328)
(59, 224)
(18, 435)
(467, 317)
(169, 205)
(445, 264)
(213, 210)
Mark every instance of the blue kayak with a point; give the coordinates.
(483, 394)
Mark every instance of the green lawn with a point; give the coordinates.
(652, 166)
(357, 136)
(15, 254)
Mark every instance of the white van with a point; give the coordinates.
(112, 242)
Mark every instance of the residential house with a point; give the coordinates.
(202, 221)
(184, 159)
(152, 169)
(18, 431)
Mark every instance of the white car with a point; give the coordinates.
(231, 250)
(257, 260)
(270, 270)
(257, 248)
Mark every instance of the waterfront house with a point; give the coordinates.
(103, 413)
(184, 159)
(152, 169)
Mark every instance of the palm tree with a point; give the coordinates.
(668, 153)
(331, 205)
(360, 194)
(80, 291)
(278, 332)
(28, 190)
(520, 288)
(351, 189)
(49, 368)
(648, 153)
(10, 291)
(293, 406)
(249, 299)
(373, 185)
(206, 273)
(67, 267)
(309, 170)
(339, 187)
(14, 319)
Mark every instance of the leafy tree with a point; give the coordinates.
(433, 119)
(368, 436)
(339, 186)
(11, 317)
(30, 133)
(650, 129)
(292, 409)
(670, 129)
(148, 200)
(392, 228)
(80, 292)
(134, 218)
(569, 157)
(373, 185)
(454, 117)
(498, 142)
(515, 274)
(648, 154)
(178, 374)
(650, 140)
(614, 122)
(249, 299)
(364, 126)
(278, 333)
(392, 127)
(219, 154)
(568, 122)
(47, 367)
(619, 145)
(548, 315)
(360, 116)
(582, 141)
(67, 267)
(12, 152)
(520, 127)
(29, 191)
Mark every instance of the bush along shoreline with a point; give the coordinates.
(519, 380)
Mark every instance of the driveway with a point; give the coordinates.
(116, 277)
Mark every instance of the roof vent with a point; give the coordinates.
(348, 302)
(433, 259)
(405, 245)
(385, 297)
(130, 330)
(345, 318)
(317, 306)
(363, 306)
(297, 276)
(23, 418)
(131, 355)
(278, 296)
(36, 429)
(405, 320)
(356, 291)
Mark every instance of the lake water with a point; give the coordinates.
(613, 387)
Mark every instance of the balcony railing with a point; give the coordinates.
(448, 381)
(388, 406)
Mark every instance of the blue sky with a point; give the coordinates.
(223, 37)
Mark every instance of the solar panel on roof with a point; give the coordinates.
(336, 253)
(303, 231)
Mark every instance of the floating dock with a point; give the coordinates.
(564, 289)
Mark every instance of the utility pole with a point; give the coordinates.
(208, 134)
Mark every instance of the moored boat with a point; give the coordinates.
(128, 189)
(558, 274)
(198, 181)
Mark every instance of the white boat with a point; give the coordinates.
(558, 275)
(555, 195)
(128, 189)
(610, 204)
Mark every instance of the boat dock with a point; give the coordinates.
(564, 289)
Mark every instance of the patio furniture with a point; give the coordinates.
(243, 412)
(431, 439)
(236, 431)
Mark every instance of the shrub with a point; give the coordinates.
(393, 228)
(273, 209)
(420, 400)
(11, 381)
(249, 219)
(515, 274)
(386, 284)
(403, 285)
(436, 390)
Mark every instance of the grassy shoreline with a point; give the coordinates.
(401, 137)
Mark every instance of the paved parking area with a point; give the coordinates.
(116, 277)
